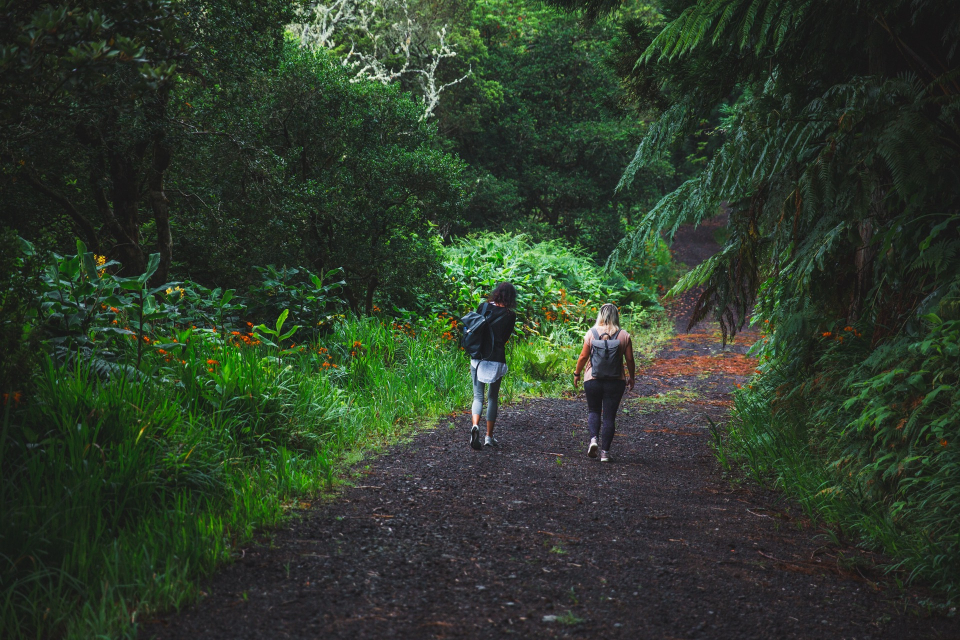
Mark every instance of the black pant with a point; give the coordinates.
(603, 400)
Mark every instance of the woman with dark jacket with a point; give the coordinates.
(499, 311)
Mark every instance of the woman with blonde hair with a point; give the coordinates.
(605, 347)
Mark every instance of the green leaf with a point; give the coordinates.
(289, 334)
(89, 265)
(153, 262)
(281, 320)
(26, 247)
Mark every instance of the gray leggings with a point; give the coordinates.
(493, 398)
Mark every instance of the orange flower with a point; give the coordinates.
(234, 333)
(826, 334)
(212, 361)
(161, 351)
(943, 443)
(848, 328)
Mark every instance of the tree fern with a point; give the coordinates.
(840, 167)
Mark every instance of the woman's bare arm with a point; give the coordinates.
(631, 363)
(581, 361)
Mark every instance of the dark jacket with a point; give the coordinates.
(502, 321)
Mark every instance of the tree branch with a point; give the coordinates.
(83, 227)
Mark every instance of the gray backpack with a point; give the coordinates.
(606, 361)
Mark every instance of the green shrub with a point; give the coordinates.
(556, 283)
(869, 443)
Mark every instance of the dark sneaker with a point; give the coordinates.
(490, 441)
(593, 449)
(604, 456)
(475, 438)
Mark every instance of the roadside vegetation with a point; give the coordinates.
(836, 133)
(157, 428)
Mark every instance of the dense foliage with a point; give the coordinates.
(550, 135)
(91, 119)
(526, 96)
(555, 281)
(311, 168)
(839, 158)
(219, 145)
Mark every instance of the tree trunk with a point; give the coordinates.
(161, 211)
(372, 285)
(863, 260)
(126, 209)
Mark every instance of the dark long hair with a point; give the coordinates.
(504, 295)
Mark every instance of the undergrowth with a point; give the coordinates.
(867, 445)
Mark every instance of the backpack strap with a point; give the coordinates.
(596, 334)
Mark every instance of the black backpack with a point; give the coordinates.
(606, 361)
(477, 338)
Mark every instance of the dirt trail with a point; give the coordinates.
(537, 540)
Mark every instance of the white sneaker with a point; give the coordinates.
(490, 441)
(593, 448)
(475, 438)
(604, 456)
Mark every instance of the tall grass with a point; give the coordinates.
(119, 492)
